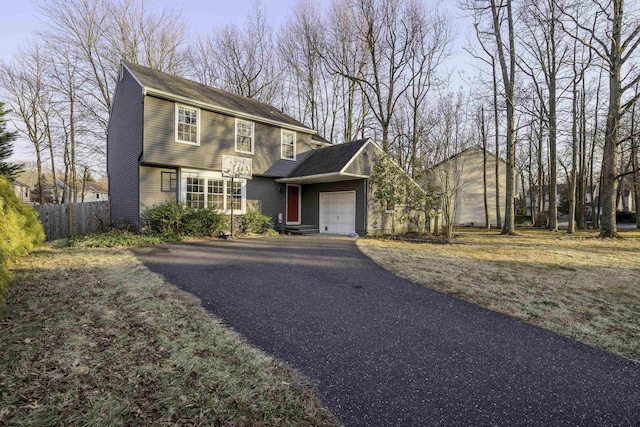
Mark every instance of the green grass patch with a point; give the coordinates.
(91, 337)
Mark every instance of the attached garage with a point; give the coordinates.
(338, 212)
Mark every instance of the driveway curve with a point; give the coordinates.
(387, 352)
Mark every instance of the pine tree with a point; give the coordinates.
(6, 146)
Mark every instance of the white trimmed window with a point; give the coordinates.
(215, 194)
(199, 189)
(187, 124)
(244, 136)
(234, 196)
(195, 192)
(288, 145)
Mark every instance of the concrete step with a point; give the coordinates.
(301, 230)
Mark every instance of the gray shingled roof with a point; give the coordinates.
(328, 159)
(199, 92)
(283, 167)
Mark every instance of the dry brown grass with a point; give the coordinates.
(578, 285)
(91, 337)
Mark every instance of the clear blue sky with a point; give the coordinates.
(19, 23)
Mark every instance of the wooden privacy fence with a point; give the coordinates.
(87, 217)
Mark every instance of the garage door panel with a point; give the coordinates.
(338, 212)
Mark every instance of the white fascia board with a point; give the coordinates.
(133, 75)
(298, 179)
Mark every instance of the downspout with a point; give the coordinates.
(366, 205)
(138, 173)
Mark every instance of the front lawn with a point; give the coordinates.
(578, 285)
(91, 337)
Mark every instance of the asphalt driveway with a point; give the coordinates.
(388, 352)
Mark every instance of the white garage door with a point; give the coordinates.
(338, 212)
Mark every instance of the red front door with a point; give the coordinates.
(293, 203)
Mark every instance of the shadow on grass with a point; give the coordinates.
(90, 337)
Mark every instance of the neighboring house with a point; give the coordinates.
(460, 176)
(167, 137)
(626, 201)
(561, 198)
(21, 190)
(93, 192)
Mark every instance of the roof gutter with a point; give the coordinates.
(320, 178)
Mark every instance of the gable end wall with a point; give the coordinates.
(124, 147)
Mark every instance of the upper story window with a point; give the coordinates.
(187, 124)
(288, 145)
(244, 136)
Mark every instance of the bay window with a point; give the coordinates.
(211, 190)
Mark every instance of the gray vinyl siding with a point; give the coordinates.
(311, 201)
(217, 137)
(265, 195)
(151, 190)
(361, 165)
(124, 146)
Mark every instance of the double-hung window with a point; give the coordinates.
(288, 145)
(215, 194)
(234, 195)
(195, 192)
(187, 124)
(244, 136)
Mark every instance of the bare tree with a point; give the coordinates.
(508, 80)
(23, 81)
(316, 93)
(450, 176)
(240, 60)
(613, 35)
(544, 43)
(483, 138)
(386, 31)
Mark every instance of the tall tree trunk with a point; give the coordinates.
(532, 199)
(581, 190)
(553, 158)
(508, 75)
(610, 153)
(542, 222)
(483, 133)
(496, 124)
(53, 162)
(595, 215)
(610, 158)
(636, 180)
(571, 226)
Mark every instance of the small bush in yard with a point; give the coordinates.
(176, 219)
(204, 222)
(20, 232)
(255, 222)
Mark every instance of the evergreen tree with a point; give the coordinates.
(6, 146)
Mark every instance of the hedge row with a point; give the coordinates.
(20, 232)
(176, 219)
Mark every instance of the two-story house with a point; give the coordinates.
(170, 138)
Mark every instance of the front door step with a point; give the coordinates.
(302, 230)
